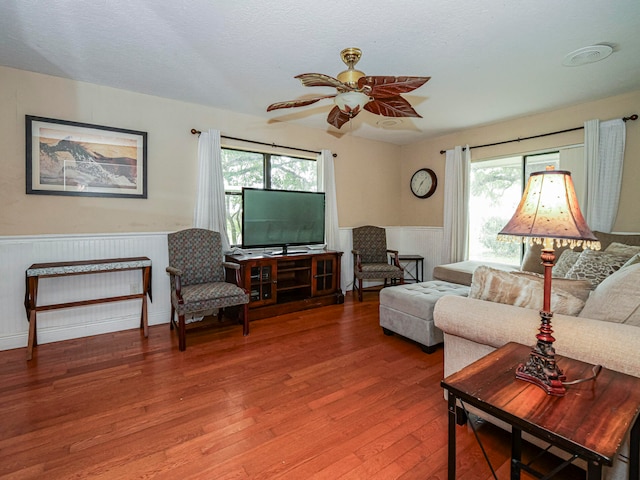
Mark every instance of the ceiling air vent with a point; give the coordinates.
(585, 55)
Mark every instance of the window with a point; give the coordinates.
(496, 187)
(241, 168)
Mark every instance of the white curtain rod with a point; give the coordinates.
(624, 119)
(198, 132)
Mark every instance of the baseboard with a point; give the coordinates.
(68, 332)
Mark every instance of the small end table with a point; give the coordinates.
(418, 270)
(589, 422)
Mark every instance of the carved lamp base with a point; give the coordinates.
(541, 370)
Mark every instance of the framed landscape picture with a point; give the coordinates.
(71, 158)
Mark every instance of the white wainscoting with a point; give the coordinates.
(19, 252)
(425, 241)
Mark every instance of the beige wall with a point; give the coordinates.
(367, 177)
(427, 154)
(372, 178)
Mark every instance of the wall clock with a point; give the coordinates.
(424, 183)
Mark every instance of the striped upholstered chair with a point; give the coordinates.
(371, 257)
(197, 274)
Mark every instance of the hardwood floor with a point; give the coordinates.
(320, 394)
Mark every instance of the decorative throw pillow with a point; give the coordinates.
(566, 260)
(505, 287)
(532, 261)
(622, 249)
(596, 266)
(617, 298)
(577, 288)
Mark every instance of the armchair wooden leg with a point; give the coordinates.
(182, 333)
(173, 313)
(355, 281)
(245, 320)
(360, 289)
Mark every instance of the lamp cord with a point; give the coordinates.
(596, 371)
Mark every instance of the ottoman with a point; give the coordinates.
(408, 310)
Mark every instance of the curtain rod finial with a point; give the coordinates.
(194, 131)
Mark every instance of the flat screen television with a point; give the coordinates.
(281, 218)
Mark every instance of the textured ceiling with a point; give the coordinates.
(489, 60)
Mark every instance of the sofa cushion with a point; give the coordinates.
(596, 266)
(462, 272)
(567, 259)
(622, 249)
(617, 298)
(607, 239)
(519, 290)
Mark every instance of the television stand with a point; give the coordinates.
(279, 284)
(286, 252)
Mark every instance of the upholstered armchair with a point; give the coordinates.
(371, 257)
(197, 274)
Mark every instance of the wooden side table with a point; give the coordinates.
(82, 267)
(418, 260)
(589, 422)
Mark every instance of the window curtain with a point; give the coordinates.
(604, 157)
(327, 184)
(210, 211)
(456, 208)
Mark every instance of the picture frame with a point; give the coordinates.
(82, 159)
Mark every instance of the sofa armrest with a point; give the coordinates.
(612, 345)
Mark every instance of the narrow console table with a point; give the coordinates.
(82, 267)
(590, 422)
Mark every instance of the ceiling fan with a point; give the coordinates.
(357, 91)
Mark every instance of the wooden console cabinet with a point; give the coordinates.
(279, 284)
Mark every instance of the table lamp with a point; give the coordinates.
(548, 212)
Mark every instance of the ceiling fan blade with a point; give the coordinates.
(391, 107)
(321, 80)
(385, 87)
(337, 117)
(297, 103)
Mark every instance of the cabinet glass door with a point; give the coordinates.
(262, 289)
(324, 276)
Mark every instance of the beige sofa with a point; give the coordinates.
(605, 332)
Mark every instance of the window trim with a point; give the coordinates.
(266, 172)
(523, 163)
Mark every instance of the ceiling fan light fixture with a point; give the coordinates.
(355, 91)
(351, 103)
(350, 77)
(350, 56)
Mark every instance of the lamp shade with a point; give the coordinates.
(549, 210)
